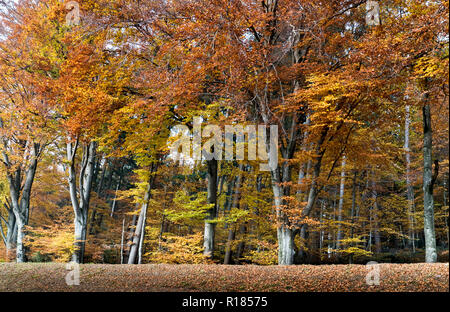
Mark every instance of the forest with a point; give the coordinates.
(95, 95)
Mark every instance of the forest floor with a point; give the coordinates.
(219, 278)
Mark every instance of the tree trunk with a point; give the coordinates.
(352, 213)
(80, 203)
(341, 204)
(301, 250)
(209, 232)
(228, 250)
(20, 197)
(122, 238)
(138, 237)
(428, 181)
(141, 238)
(11, 231)
(321, 233)
(409, 187)
(286, 246)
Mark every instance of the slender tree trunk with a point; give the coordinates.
(141, 238)
(113, 206)
(409, 187)
(352, 213)
(334, 218)
(138, 237)
(209, 232)
(428, 181)
(230, 239)
(122, 241)
(322, 209)
(341, 204)
(446, 191)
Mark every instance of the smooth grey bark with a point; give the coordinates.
(428, 183)
(139, 233)
(131, 229)
(334, 218)
(341, 204)
(80, 196)
(113, 206)
(209, 230)
(142, 236)
(134, 248)
(409, 187)
(285, 233)
(20, 193)
(321, 233)
(10, 238)
(21, 209)
(305, 168)
(122, 241)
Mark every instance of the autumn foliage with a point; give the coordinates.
(88, 112)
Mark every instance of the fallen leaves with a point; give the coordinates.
(220, 278)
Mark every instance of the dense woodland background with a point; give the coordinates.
(86, 113)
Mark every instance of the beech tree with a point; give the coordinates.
(358, 101)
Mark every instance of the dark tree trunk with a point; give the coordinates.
(232, 229)
(209, 232)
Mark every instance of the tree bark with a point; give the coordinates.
(409, 187)
(228, 250)
(209, 231)
(341, 204)
(11, 230)
(138, 237)
(428, 181)
(20, 196)
(80, 197)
